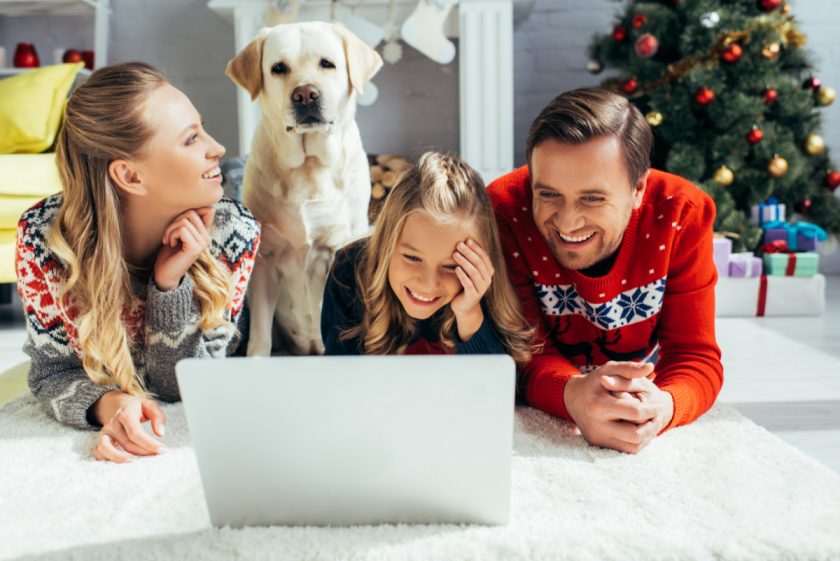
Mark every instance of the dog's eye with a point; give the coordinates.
(326, 64)
(280, 68)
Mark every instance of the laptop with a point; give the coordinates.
(338, 441)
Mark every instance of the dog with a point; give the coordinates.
(307, 178)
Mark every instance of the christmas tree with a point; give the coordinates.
(733, 99)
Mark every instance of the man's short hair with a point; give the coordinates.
(581, 115)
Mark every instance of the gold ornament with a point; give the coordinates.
(825, 95)
(777, 167)
(785, 9)
(793, 37)
(724, 176)
(814, 144)
(654, 118)
(771, 51)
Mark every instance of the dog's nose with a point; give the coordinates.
(304, 95)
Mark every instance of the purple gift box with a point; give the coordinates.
(745, 265)
(802, 242)
(722, 250)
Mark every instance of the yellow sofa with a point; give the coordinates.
(25, 179)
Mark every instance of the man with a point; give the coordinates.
(612, 262)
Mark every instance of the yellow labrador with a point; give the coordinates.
(307, 178)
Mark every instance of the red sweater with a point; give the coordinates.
(658, 294)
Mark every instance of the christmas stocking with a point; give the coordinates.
(423, 30)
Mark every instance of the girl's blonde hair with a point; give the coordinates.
(451, 192)
(104, 122)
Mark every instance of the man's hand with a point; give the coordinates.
(616, 406)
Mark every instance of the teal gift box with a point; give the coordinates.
(791, 264)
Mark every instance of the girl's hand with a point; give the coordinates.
(475, 271)
(183, 241)
(122, 417)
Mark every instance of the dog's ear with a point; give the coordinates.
(245, 69)
(362, 61)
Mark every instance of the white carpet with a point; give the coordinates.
(722, 488)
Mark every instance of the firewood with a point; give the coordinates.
(389, 178)
(398, 164)
(375, 173)
(377, 191)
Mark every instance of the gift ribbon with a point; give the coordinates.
(778, 246)
(805, 229)
(762, 296)
(791, 265)
(811, 231)
(781, 246)
(746, 258)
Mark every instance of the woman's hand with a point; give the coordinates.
(183, 241)
(475, 271)
(122, 437)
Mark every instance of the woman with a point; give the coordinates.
(140, 262)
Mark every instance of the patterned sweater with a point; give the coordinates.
(162, 326)
(658, 295)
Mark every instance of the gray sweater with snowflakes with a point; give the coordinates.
(162, 326)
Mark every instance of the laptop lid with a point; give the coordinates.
(352, 440)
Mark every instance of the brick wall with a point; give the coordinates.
(418, 104)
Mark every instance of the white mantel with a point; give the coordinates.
(485, 32)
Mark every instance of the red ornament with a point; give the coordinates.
(832, 180)
(732, 53)
(88, 57)
(769, 95)
(768, 6)
(619, 33)
(646, 45)
(704, 96)
(26, 56)
(812, 82)
(630, 85)
(755, 135)
(639, 20)
(71, 55)
(805, 207)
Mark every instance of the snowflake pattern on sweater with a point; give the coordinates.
(629, 307)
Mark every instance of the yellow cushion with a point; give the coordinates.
(29, 175)
(31, 105)
(7, 256)
(12, 207)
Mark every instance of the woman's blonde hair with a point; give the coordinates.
(451, 192)
(103, 122)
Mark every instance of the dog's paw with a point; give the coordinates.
(257, 347)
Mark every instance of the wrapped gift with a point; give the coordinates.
(745, 265)
(770, 211)
(770, 296)
(802, 236)
(721, 252)
(791, 264)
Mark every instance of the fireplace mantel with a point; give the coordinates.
(485, 32)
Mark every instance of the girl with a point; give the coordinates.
(139, 262)
(424, 281)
